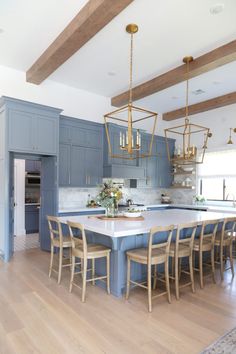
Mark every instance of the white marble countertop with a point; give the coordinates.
(119, 228)
(78, 210)
(215, 208)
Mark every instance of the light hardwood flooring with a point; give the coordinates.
(39, 316)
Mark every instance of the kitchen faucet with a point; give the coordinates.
(234, 202)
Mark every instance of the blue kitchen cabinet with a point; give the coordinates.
(32, 166)
(33, 128)
(80, 153)
(31, 219)
(149, 163)
(164, 168)
(64, 164)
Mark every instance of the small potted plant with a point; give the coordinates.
(199, 199)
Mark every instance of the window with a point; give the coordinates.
(217, 175)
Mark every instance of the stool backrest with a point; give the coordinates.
(228, 227)
(155, 230)
(213, 225)
(55, 229)
(74, 227)
(189, 239)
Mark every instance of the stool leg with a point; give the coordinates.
(167, 280)
(191, 272)
(60, 265)
(128, 278)
(149, 288)
(70, 255)
(213, 264)
(155, 277)
(176, 277)
(108, 273)
(231, 258)
(51, 261)
(201, 269)
(222, 262)
(72, 272)
(84, 273)
(93, 270)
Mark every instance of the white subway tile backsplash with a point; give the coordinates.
(77, 197)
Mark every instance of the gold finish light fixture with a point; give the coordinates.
(187, 134)
(230, 141)
(128, 117)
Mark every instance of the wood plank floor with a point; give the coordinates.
(38, 316)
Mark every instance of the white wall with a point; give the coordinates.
(74, 102)
(219, 121)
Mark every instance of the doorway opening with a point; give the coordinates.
(27, 178)
(33, 194)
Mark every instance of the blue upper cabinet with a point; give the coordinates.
(80, 153)
(164, 175)
(32, 128)
(149, 163)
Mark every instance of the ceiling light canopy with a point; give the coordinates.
(129, 117)
(187, 135)
(230, 141)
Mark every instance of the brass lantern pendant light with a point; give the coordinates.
(188, 135)
(128, 117)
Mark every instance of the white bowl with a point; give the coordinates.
(187, 169)
(135, 214)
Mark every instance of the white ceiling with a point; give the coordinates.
(169, 30)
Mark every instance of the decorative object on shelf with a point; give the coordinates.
(187, 152)
(230, 141)
(109, 197)
(199, 199)
(128, 116)
(165, 198)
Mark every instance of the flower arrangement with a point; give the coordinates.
(109, 195)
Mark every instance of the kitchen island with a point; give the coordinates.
(122, 235)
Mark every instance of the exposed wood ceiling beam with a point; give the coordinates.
(213, 103)
(95, 15)
(209, 61)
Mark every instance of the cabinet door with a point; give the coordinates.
(31, 219)
(78, 165)
(164, 176)
(46, 135)
(20, 131)
(64, 164)
(94, 138)
(29, 166)
(94, 167)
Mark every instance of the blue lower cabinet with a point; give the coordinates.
(31, 219)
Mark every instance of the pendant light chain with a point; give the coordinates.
(131, 70)
(187, 88)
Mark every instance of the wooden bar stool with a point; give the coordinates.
(153, 255)
(205, 243)
(60, 242)
(85, 251)
(181, 248)
(224, 241)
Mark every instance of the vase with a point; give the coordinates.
(112, 210)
